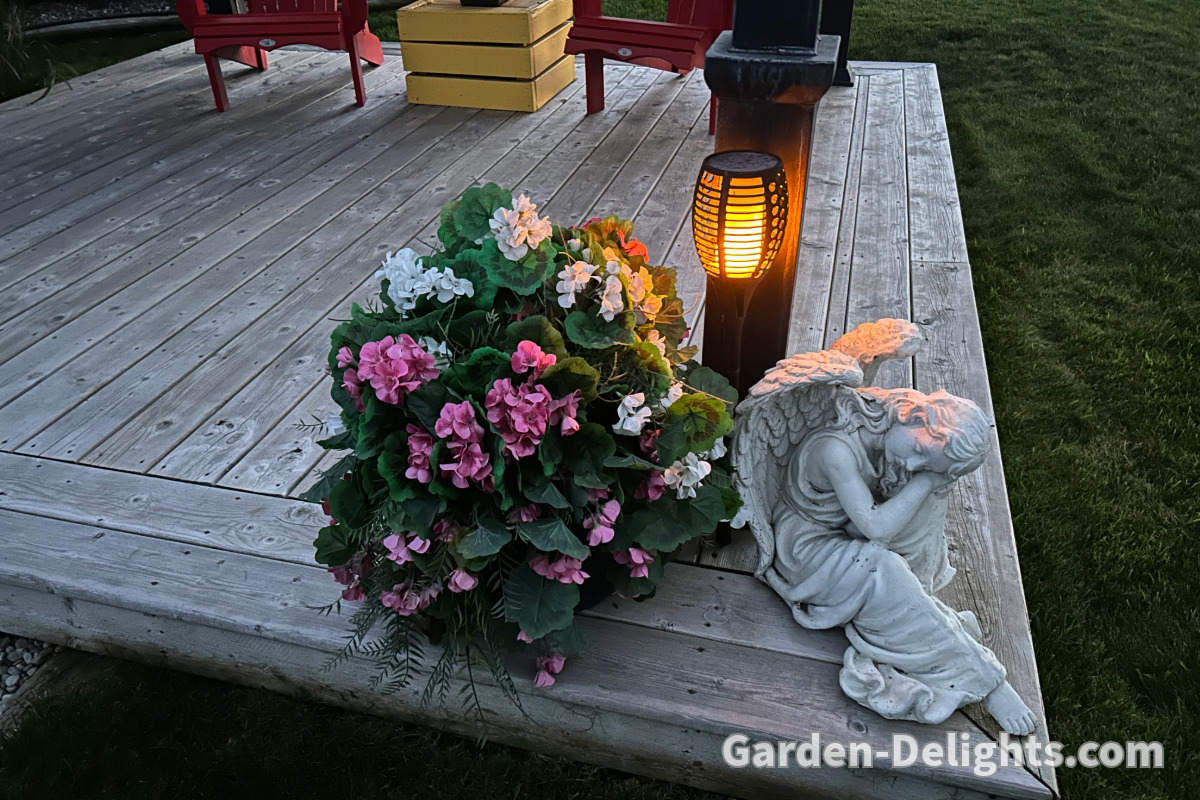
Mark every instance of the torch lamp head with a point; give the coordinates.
(739, 213)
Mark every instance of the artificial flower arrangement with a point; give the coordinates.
(525, 430)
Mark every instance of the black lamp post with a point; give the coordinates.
(739, 216)
(768, 74)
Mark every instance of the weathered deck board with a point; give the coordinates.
(120, 221)
(663, 678)
(163, 332)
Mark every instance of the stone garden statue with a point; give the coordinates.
(845, 488)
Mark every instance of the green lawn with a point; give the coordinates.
(75, 57)
(1074, 127)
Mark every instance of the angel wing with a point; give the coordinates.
(795, 397)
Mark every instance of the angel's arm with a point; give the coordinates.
(876, 521)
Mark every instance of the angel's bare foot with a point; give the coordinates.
(1010, 710)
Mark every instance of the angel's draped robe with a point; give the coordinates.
(911, 656)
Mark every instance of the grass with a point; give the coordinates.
(1074, 127)
(78, 57)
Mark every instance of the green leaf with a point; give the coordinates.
(540, 331)
(487, 539)
(585, 452)
(668, 523)
(552, 535)
(523, 277)
(569, 375)
(420, 513)
(348, 505)
(439, 455)
(591, 331)
(426, 402)
(476, 208)
(731, 500)
(547, 494)
(448, 231)
(333, 546)
(702, 419)
(476, 265)
(392, 466)
(654, 372)
(709, 381)
(550, 451)
(370, 430)
(537, 605)
(322, 488)
(569, 641)
(476, 375)
(629, 460)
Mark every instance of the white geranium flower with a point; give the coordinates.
(519, 229)
(439, 350)
(686, 475)
(403, 271)
(673, 393)
(632, 414)
(640, 284)
(574, 278)
(718, 450)
(648, 309)
(655, 338)
(574, 244)
(611, 302)
(446, 286)
(586, 254)
(334, 426)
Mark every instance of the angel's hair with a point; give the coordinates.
(957, 424)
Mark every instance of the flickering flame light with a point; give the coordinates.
(739, 213)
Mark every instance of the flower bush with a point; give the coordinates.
(523, 424)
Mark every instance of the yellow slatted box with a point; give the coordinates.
(509, 57)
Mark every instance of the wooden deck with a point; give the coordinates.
(167, 280)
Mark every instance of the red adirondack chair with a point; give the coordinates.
(677, 45)
(245, 38)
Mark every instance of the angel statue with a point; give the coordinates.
(845, 489)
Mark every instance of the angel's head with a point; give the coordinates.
(937, 432)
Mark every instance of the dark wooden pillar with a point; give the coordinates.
(769, 73)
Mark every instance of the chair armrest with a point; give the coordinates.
(354, 15)
(189, 12)
(587, 8)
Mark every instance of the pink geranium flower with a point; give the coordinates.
(461, 581)
(652, 487)
(420, 448)
(445, 528)
(345, 358)
(530, 357)
(469, 463)
(353, 386)
(565, 569)
(637, 559)
(522, 636)
(402, 599)
(458, 420)
(395, 368)
(601, 523)
(354, 594)
(525, 513)
(548, 667)
(648, 442)
(402, 546)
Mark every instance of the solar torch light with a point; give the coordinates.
(739, 214)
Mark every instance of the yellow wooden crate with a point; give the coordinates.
(499, 93)
(485, 60)
(515, 22)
